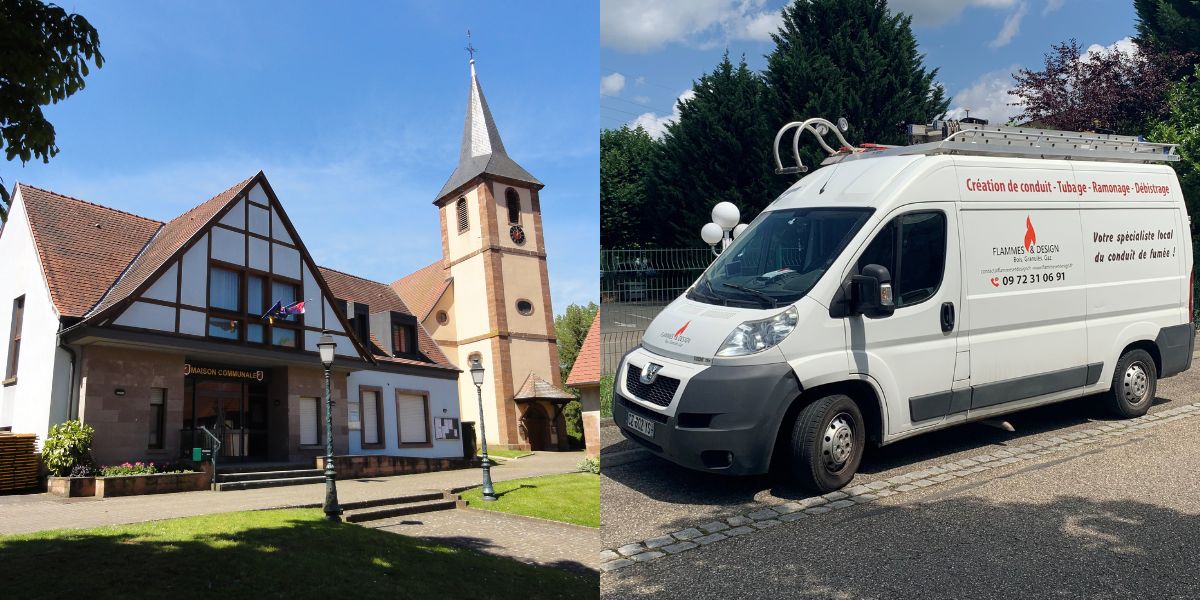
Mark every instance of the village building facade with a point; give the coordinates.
(152, 332)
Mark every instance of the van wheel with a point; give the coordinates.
(827, 443)
(1134, 384)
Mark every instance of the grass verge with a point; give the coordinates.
(571, 498)
(291, 553)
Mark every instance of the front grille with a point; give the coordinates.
(640, 410)
(661, 392)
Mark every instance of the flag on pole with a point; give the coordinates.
(295, 308)
(270, 314)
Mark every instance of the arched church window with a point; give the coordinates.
(513, 201)
(463, 223)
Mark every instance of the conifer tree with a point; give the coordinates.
(853, 59)
(718, 150)
(625, 156)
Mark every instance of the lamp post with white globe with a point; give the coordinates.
(724, 227)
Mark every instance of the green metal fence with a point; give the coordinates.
(634, 286)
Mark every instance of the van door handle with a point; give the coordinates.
(947, 316)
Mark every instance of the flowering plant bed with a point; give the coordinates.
(157, 483)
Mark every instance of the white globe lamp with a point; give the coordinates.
(739, 229)
(711, 234)
(726, 215)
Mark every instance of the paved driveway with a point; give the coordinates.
(1072, 504)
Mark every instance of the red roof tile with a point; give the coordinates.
(169, 239)
(537, 388)
(586, 370)
(380, 297)
(83, 247)
(421, 290)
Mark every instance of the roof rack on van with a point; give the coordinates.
(979, 139)
(956, 137)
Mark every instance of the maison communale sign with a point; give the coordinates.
(223, 372)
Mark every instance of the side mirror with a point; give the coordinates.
(871, 292)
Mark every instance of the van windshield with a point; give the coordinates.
(780, 257)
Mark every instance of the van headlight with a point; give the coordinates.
(756, 336)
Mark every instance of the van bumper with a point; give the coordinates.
(725, 419)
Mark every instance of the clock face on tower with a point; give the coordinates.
(517, 234)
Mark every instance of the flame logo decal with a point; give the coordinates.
(1030, 234)
(682, 329)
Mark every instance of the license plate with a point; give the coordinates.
(640, 424)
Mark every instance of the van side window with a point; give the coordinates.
(919, 241)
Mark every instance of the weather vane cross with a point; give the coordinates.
(470, 49)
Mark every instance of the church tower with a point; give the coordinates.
(489, 297)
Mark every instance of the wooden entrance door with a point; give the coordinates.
(537, 426)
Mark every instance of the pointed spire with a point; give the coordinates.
(482, 149)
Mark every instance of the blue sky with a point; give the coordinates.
(354, 114)
(652, 50)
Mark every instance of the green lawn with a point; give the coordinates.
(278, 553)
(571, 498)
(503, 453)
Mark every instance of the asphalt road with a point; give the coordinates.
(1112, 519)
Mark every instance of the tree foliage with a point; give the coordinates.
(44, 56)
(853, 59)
(718, 151)
(1182, 126)
(1168, 26)
(625, 156)
(1107, 90)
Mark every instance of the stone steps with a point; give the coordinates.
(374, 510)
(224, 486)
(264, 475)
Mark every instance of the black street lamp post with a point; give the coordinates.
(333, 512)
(489, 494)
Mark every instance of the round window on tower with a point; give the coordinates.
(442, 317)
(524, 307)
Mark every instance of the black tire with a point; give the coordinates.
(814, 434)
(1135, 381)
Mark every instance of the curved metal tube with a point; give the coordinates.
(801, 127)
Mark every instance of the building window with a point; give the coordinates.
(402, 339)
(524, 307)
(310, 421)
(361, 323)
(442, 317)
(412, 416)
(513, 201)
(224, 328)
(224, 289)
(158, 417)
(463, 223)
(14, 338)
(372, 409)
(285, 293)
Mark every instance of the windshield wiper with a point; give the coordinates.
(771, 303)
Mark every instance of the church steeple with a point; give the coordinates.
(482, 149)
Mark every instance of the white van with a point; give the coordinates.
(904, 290)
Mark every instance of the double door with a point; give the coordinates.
(237, 413)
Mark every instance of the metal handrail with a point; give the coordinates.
(215, 451)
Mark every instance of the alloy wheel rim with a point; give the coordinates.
(837, 442)
(1135, 385)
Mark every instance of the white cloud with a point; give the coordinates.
(934, 13)
(642, 99)
(656, 125)
(641, 80)
(1124, 45)
(1011, 27)
(612, 84)
(1052, 5)
(987, 98)
(646, 25)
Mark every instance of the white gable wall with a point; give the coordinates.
(36, 400)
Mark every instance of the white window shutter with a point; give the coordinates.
(411, 411)
(370, 417)
(310, 419)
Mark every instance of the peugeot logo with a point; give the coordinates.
(650, 373)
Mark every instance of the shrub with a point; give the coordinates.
(68, 444)
(590, 464)
(137, 468)
(606, 395)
